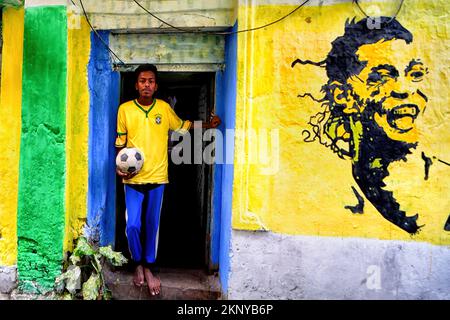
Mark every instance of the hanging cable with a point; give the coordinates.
(367, 16)
(114, 56)
(220, 33)
(100, 38)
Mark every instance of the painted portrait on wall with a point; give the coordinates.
(369, 109)
(364, 145)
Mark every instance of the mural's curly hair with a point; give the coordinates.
(324, 123)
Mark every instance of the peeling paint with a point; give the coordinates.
(121, 15)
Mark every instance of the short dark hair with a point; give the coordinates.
(342, 61)
(146, 67)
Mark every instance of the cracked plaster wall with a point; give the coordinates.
(41, 204)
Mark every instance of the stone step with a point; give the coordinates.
(176, 284)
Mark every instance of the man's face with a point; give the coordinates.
(391, 82)
(146, 84)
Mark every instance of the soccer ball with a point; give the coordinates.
(129, 160)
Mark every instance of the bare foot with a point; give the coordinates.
(153, 283)
(138, 278)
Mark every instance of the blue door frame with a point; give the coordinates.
(104, 87)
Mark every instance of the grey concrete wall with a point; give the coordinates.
(265, 265)
(8, 277)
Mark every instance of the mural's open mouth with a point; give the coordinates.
(402, 117)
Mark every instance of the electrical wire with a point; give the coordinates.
(113, 55)
(100, 38)
(367, 16)
(221, 33)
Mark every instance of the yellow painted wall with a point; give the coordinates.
(10, 106)
(308, 193)
(77, 128)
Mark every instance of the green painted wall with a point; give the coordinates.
(41, 202)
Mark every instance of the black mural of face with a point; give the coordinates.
(392, 77)
(376, 151)
(372, 101)
(389, 97)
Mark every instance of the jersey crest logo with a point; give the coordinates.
(158, 119)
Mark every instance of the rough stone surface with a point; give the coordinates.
(308, 267)
(176, 284)
(20, 295)
(4, 296)
(8, 279)
(41, 205)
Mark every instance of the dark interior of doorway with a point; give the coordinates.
(183, 240)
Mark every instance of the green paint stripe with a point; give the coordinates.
(41, 215)
(142, 108)
(182, 124)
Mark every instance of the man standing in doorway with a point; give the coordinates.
(144, 123)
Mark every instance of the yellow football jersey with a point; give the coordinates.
(147, 128)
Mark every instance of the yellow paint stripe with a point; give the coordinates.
(77, 120)
(11, 106)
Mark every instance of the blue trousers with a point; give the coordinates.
(144, 203)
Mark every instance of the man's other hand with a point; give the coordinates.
(215, 121)
(125, 175)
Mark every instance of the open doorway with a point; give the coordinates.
(186, 213)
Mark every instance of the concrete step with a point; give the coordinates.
(176, 284)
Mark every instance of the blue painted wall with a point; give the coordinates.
(227, 112)
(218, 168)
(104, 85)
